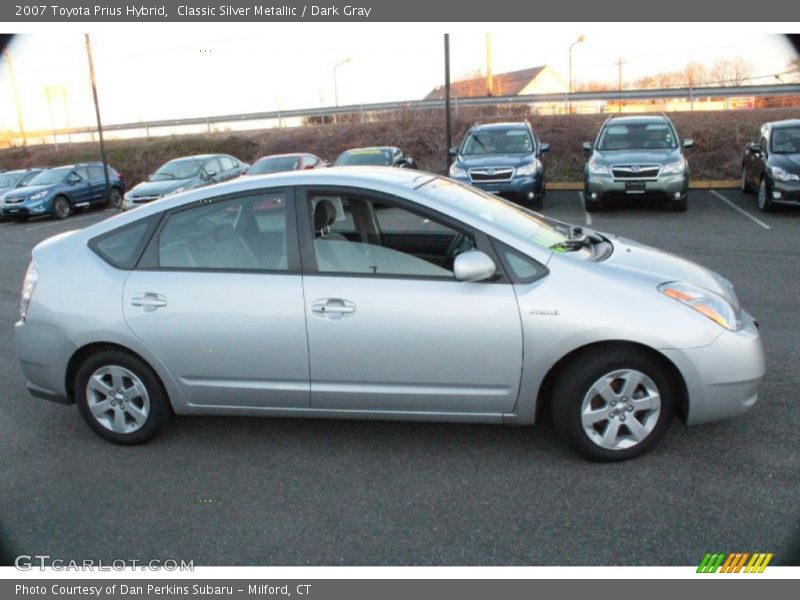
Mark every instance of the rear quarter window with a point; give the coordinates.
(122, 247)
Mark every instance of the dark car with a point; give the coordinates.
(503, 159)
(771, 165)
(10, 180)
(636, 157)
(278, 163)
(186, 173)
(61, 190)
(378, 156)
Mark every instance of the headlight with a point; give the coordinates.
(38, 196)
(596, 168)
(530, 169)
(707, 303)
(456, 171)
(782, 175)
(175, 191)
(28, 286)
(674, 168)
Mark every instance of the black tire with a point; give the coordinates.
(765, 203)
(114, 198)
(681, 205)
(158, 412)
(538, 202)
(593, 205)
(61, 208)
(573, 386)
(744, 187)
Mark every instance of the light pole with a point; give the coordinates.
(335, 83)
(572, 45)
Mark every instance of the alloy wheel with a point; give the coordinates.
(117, 399)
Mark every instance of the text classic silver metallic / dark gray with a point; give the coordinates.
(371, 292)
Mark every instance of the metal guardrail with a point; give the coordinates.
(575, 97)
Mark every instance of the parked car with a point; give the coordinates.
(61, 190)
(278, 163)
(182, 174)
(10, 180)
(636, 157)
(379, 293)
(378, 156)
(771, 165)
(503, 159)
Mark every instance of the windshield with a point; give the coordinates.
(376, 157)
(184, 168)
(518, 221)
(638, 136)
(274, 165)
(498, 141)
(51, 176)
(10, 179)
(786, 140)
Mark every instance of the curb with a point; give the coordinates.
(713, 184)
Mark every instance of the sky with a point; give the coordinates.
(161, 71)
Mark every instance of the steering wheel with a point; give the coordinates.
(457, 246)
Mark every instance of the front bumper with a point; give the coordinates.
(23, 209)
(785, 192)
(519, 189)
(722, 378)
(44, 353)
(602, 187)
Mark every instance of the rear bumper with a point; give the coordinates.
(44, 353)
(722, 378)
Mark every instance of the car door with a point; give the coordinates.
(213, 167)
(97, 183)
(79, 188)
(218, 297)
(389, 330)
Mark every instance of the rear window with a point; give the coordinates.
(122, 247)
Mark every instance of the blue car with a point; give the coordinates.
(59, 191)
(17, 178)
(503, 159)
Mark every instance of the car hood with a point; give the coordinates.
(159, 188)
(787, 162)
(662, 267)
(613, 157)
(496, 160)
(27, 191)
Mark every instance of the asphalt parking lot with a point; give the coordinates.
(234, 491)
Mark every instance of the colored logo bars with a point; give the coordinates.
(735, 562)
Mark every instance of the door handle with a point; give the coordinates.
(149, 301)
(333, 308)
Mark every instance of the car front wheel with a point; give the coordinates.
(613, 405)
(121, 398)
(114, 198)
(61, 208)
(764, 201)
(745, 187)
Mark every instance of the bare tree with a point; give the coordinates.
(693, 75)
(731, 72)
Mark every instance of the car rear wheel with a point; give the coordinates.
(613, 405)
(61, 207)
(121, 398)
(745, 187)
(114, 198)
(764, 201)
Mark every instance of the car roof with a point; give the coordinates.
(633, 119)
(197, 157)
(287, 154)
(372, 148)
(784, 123)
(504, 125)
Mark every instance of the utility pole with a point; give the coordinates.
(619, 62)
(16, 97)
(489, 76)
(97, 112)
(447, 124)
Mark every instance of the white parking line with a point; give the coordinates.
(755, 220)
(587, 217)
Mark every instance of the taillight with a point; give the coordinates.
(28, 287)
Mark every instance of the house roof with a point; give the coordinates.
(505, 84)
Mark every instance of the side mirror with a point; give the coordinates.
(587, 147)
(544, 148)
(73, 179)
(454, 151)
(688, 143)
(754, 148)
(211, 174)
(473, 265)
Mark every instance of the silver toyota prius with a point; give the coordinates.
(383, 294)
